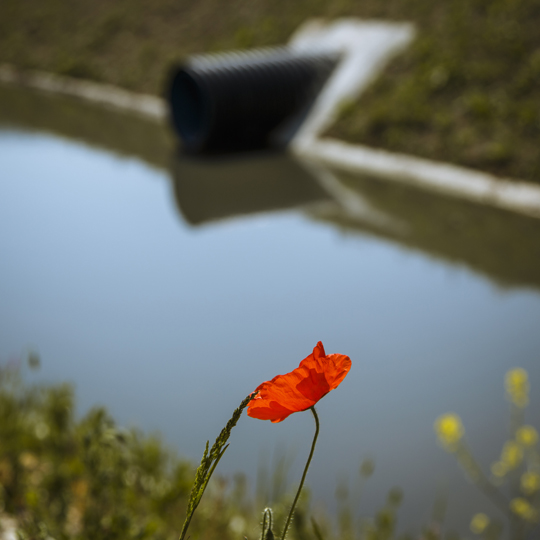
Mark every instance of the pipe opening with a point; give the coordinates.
(189, 107)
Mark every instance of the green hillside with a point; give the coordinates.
(466, 92)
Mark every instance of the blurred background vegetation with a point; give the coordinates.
(63, 477)
(467, 91)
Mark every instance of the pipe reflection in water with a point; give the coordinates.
(212, 189)
(499, 244)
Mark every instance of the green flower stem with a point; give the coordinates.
(468, 462)
(289, 518)
(209, 463)
(267, 525)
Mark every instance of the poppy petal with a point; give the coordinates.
(300, 389)
(269, 410)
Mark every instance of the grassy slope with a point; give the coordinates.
(131, 43)
(466, 92)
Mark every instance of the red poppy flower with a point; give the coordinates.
(301, 388)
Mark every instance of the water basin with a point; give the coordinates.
(167, 289)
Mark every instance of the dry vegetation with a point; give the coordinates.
(466, 92)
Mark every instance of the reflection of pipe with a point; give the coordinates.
(245, 100)
(207, 190)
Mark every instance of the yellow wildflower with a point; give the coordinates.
(530, 482)
(517, 386)
(449, 430)
(523, 509)
(511, 455)
(479, 523)
(499, 469)
(527, 436)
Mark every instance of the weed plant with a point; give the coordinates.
(64, 478)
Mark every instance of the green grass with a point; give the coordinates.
(466, 92)
(69, 478)
(66, 478)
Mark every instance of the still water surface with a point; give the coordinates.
(170, 325)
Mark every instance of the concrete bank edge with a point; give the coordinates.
(104, 94)
(443, 178)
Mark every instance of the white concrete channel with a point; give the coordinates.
(366, 48)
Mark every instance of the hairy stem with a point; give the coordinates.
(209, 463)
(289, 517)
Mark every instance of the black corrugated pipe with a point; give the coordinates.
(245, 100)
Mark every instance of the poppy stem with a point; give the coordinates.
(289, 517)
